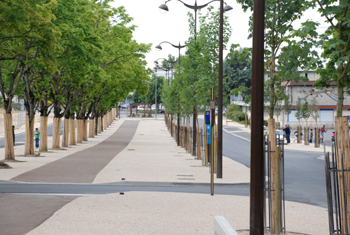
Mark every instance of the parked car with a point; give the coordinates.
(279, 135)
(140, 107)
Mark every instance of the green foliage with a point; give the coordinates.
(235, 113)
(305, 110)
(282, 62)
(314, 109)
(298, 114)
(238, 72)
(335, 43)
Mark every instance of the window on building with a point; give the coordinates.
(306, 75)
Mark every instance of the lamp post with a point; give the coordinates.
(195, 7)
(158, 47)
(166, 69)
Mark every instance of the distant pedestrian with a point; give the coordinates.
(311, 135)
(37, 137)
(287, 131)
(295, 136)
(323, 130)
(13, 135)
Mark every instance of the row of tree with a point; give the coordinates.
(75, 58)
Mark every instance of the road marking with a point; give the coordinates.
(237, 135)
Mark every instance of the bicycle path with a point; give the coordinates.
(83, 166)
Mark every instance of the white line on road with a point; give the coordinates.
(237, 135)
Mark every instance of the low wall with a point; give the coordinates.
(223, 227)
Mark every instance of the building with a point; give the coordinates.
(326, 98)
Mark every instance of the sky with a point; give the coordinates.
(155, 27)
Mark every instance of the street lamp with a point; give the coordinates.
(159, 47)
(227, 8)
(168, 68)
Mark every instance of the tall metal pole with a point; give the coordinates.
(221, 48)
(194, 118)
(257, 165)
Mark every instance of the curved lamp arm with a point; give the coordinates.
(179, 46)
(195, 6)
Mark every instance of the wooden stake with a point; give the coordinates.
(275, 179)
(206, 150)
(198, 142)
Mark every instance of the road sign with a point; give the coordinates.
(208, 133)
(207, 117)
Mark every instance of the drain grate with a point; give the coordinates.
(131, 149)
(185, 178)
(185, 175)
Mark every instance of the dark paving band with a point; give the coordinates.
(83, 166)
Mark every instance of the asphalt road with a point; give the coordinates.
(304, 173)
(20, 137)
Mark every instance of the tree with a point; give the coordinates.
(237, 70)
(314, 111)
(335, 42)
(287, 107)
(26, 31)
(282, 62)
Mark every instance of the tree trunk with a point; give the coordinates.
(85, 136)
(99, 125)
(43, 134)
(299, 134)
(92, 128)
(96, 125)
(79, 131)
(72, 140)
(56, 133)
(340, 98)
(29, 136)
(65, 138)
(9, 149)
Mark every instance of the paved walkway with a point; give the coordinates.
(151, 157)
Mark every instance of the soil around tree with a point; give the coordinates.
(3, 165)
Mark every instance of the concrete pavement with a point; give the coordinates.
(153, 157)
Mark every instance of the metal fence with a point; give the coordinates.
(337, 180)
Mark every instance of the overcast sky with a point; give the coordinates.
(155, 27)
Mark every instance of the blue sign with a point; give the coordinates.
(207, 117)
(348, 118)
(208, 134)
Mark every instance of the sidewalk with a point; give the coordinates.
(291, 146)
(152, 157)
